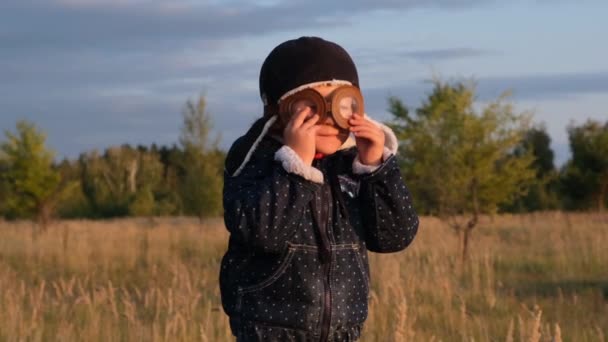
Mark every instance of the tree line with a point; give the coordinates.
(182, 179)
(459, 160)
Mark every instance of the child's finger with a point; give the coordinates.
(310, 122)
(373, 130)
(371, 127)
(297, 120)
(358, 117)
(368, 134)
(360, 121)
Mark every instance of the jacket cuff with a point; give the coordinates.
(391, 144)
(360, 168)
(292, 163)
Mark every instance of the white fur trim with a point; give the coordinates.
(350, 142)
(390, 147)
(312, 85)
(255, 144)
(360, 168)
(292, 163)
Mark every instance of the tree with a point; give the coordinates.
(30, 182)
(201, 187)
(72, 202)
(460, 163)
(542, 195)
(108, 180)
(168, 194)
(585, 175)
(148, 187)
(122, 181)
(4, 195)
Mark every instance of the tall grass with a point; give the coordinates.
(541, 277)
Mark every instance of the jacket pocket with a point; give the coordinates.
(283, 265)
(290, 296)
(350, 287)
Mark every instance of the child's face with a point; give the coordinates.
(329, 136)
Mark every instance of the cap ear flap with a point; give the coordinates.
(273, 111)
(270, 110)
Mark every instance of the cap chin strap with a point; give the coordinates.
(267, 126)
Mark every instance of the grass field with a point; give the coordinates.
(541, 277)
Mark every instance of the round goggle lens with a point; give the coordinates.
(300, 105)
(348, 106)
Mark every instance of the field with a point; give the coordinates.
(538, 277)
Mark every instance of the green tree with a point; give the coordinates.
(168, 194)
(72, 203)
(123, 181)
(201, 185)
(30, 182)
(4, 168)
(108, 180)
(459, 163)
(543, 194)
(148, 188)
(585, 175)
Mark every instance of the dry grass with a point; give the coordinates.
(540, 277)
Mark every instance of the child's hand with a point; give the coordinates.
(370, 140)
(300, 132)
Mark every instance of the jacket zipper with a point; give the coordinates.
(326, 260)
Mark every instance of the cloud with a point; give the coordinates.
(553, 87)
(391, 55)
(441, 54)
(97, 122)
(79, 24)
(545, 86)
(101, 72)
(133, 26)
(70, 47)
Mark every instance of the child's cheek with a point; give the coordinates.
(329, 144)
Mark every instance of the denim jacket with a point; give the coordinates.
(296, 268)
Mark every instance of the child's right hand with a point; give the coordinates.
(300, 132)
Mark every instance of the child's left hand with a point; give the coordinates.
(369, 138)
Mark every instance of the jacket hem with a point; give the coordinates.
(253, 331)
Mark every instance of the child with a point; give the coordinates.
(304, 201)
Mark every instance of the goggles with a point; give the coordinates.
(340, 104)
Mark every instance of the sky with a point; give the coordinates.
(97, 73)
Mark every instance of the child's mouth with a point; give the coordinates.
(328, 131)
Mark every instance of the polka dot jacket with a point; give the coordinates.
(296, 268)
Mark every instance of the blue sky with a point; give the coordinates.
(95, 73)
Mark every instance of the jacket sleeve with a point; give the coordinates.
(388, 217)
(264, 203)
